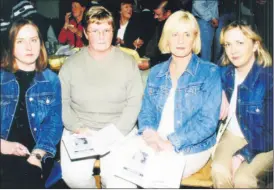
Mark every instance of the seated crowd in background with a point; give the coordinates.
(185, 99)
(72, 31)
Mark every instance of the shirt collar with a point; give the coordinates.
(191, 67)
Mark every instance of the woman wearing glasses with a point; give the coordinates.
(101, 85)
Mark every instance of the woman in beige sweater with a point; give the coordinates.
(100, 85)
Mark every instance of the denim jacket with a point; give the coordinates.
(197, 104)
(43, 104)
(254, 110)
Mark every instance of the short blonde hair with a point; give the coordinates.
(98, 15)
(172, 24)
(262, 55)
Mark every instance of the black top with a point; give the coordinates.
(20, 129)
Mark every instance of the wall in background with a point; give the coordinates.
(48, 8)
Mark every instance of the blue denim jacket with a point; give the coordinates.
(254, 109)
(197, 104)
(43, 103)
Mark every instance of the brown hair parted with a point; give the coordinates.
(98, 15)
(262, 55)
(8, 60)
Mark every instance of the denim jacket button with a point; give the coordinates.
(35, 129)
(47, 101)
(257, 110)
(33, 115)
(178, 122)
(30, 99)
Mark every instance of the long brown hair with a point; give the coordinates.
(8, 61)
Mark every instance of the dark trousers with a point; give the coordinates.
(17, 173)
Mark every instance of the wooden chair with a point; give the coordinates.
(200, 179)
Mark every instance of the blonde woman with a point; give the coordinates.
(245, 151)
(182, 98)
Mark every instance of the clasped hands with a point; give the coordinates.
(17, 149)
(153, 140)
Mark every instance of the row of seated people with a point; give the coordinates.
(184, 99)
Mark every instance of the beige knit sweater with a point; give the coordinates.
(95, 93)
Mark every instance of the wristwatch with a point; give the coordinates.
(37, 156)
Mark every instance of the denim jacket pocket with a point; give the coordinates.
(193, 95)
(5, 103)
(255, 114)
(43, 105)
(158, 96)
(192, 90)
(255, 109)
(46, 99)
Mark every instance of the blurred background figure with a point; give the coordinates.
(72, 31)
(162, 10)
(148, 23)
(207, 15)
(127, 32)
(227, 14)
(15, 9)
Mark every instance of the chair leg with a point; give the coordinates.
(97, 172)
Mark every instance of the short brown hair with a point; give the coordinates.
(8, 62)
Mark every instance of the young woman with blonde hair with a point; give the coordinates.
(245, 151)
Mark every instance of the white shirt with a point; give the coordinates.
(121, 31)
(234, 126)
(166, 125)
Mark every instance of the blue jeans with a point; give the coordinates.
(207, 34)
(224, 20)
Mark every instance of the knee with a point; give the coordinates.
(221, 176)
(79, 181)
(78, 177)
(245, 180)
(115, 182)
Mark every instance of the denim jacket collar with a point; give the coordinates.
(8, 77)
(250, 79)
(191, 67)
